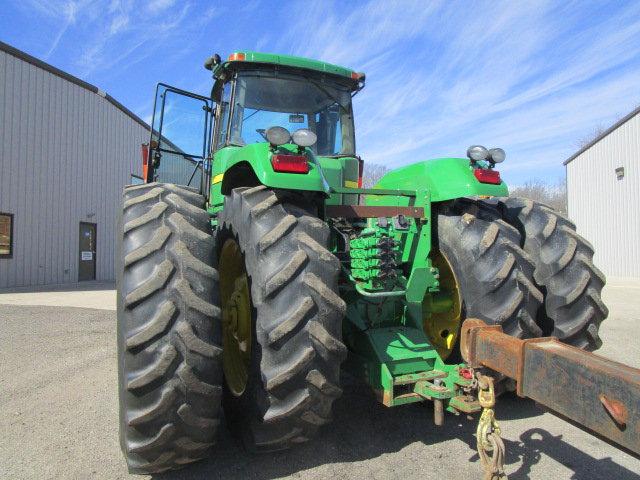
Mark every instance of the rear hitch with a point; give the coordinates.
(438, 406)
(490, 446)
(590, 391)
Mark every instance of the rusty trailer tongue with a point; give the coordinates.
(594, 393)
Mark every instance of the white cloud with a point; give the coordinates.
(158, 6)
(118, 24)
(320, 30)
(116, 43)
(114, 30)
(531, 77)
(65, 12)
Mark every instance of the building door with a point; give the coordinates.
(87, 254)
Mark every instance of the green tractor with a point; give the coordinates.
(253, 267)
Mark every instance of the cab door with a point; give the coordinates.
(180, 138)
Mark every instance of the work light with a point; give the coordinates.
(477, 153)
(304, 137)
(497, 155)
(277, 135)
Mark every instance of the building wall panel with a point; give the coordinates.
(604, 208)
(65, 154)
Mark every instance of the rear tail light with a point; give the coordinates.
(145, 161)
(289, 163)
(487, 176)
(360, 171)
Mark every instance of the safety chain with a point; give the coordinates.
(490, 445)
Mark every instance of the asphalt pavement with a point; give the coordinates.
(58, 398)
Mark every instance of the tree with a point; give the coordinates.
(372, 174)
(554, 195)
(587, 139)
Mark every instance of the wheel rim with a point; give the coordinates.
(443, 311)
(236, 317)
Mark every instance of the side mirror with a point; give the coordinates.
(212, 61)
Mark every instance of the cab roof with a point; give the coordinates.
(247, 56)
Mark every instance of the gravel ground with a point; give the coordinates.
(85, 295)
(59, 416)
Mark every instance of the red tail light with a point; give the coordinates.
(145, 160)
(487, 176)
(360, 171)
(289, 163)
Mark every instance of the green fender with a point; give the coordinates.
(232, 165)
(443, 178)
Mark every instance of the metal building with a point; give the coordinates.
(603, 186)
(66, 150)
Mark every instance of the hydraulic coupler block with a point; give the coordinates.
(374, 256)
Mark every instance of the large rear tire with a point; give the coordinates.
(296, 350)
(169, 364)
(494, 276)
(564, 271)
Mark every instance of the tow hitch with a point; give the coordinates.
(596, 394)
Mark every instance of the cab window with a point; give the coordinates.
(262, 100)
(224, 106)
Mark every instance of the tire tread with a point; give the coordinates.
(170, 369)
(573, 308)
(298, 314)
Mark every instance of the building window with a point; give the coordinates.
(6, 235)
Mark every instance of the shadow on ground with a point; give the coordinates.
(363, 429)
(536, 442)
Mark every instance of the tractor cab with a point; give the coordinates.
(254, 97)
(295, 114)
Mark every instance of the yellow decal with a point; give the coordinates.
(350, 184)
(217, 178)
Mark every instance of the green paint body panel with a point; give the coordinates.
(336, 172)
(443, 178)
(285, 60)
(401, 365)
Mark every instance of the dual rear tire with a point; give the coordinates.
(521, 265)
(169, 355)
(296, 320)
(564, 272)
(171, 308)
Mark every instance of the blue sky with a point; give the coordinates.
(532, 77)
